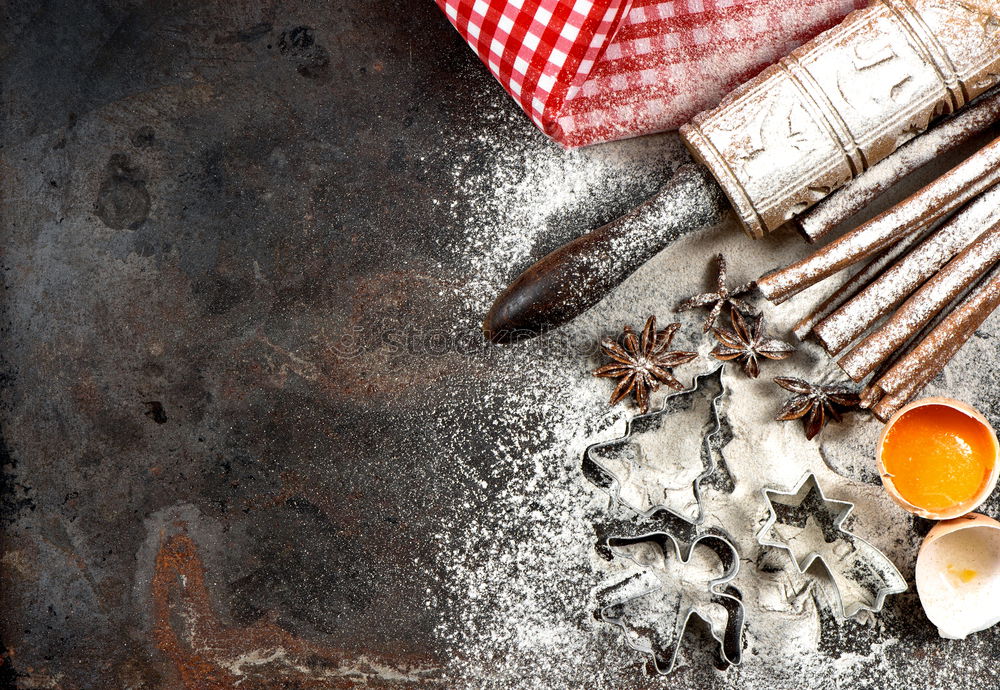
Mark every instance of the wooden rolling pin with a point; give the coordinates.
(779, 144)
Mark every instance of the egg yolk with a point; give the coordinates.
(938, 457)
(965, 574)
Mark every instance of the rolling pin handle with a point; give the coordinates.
(575, 277)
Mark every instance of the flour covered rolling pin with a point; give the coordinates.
(779, 144)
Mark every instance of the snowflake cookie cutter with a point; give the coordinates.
(647, 469)
(861, 574)
(654, 606)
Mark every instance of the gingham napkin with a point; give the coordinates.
(587, 71)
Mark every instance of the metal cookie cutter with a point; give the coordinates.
(654, 605)
(862, 575)
(659, 463)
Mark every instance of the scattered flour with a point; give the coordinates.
(520, 577)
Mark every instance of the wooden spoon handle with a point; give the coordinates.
(575, 277)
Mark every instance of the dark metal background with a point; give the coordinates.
(202, 204)
(198, 199)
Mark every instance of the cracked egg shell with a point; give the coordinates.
(958, 575)
(938, 458)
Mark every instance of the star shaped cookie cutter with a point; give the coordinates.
(654, 606)
(648, 469)
(856, 571)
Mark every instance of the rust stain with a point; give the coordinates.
(209, 655)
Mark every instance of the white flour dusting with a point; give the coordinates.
(939, 140)
(520, 576)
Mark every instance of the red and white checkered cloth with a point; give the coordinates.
(587, 71)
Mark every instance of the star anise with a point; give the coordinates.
(722, 298)
(748, 343)
(815, 404)
(643, 362)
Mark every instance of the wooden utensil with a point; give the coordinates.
(779, 144)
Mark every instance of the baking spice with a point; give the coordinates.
(888, 290)
(815, 404)
(853, 285)
(942, 138)
(918, 367)
(748, 343)
(950, 282)
(643, 363)
(517, 568)
(935, 201)
(722, 299)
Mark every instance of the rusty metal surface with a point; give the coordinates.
(190, 190)
(199, 201)
(204, 205)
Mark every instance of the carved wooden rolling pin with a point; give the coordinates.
(779, 144)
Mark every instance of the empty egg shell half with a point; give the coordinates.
(958, 575)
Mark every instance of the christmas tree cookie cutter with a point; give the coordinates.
(862, 575)
(655, 603)
(659, 463)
